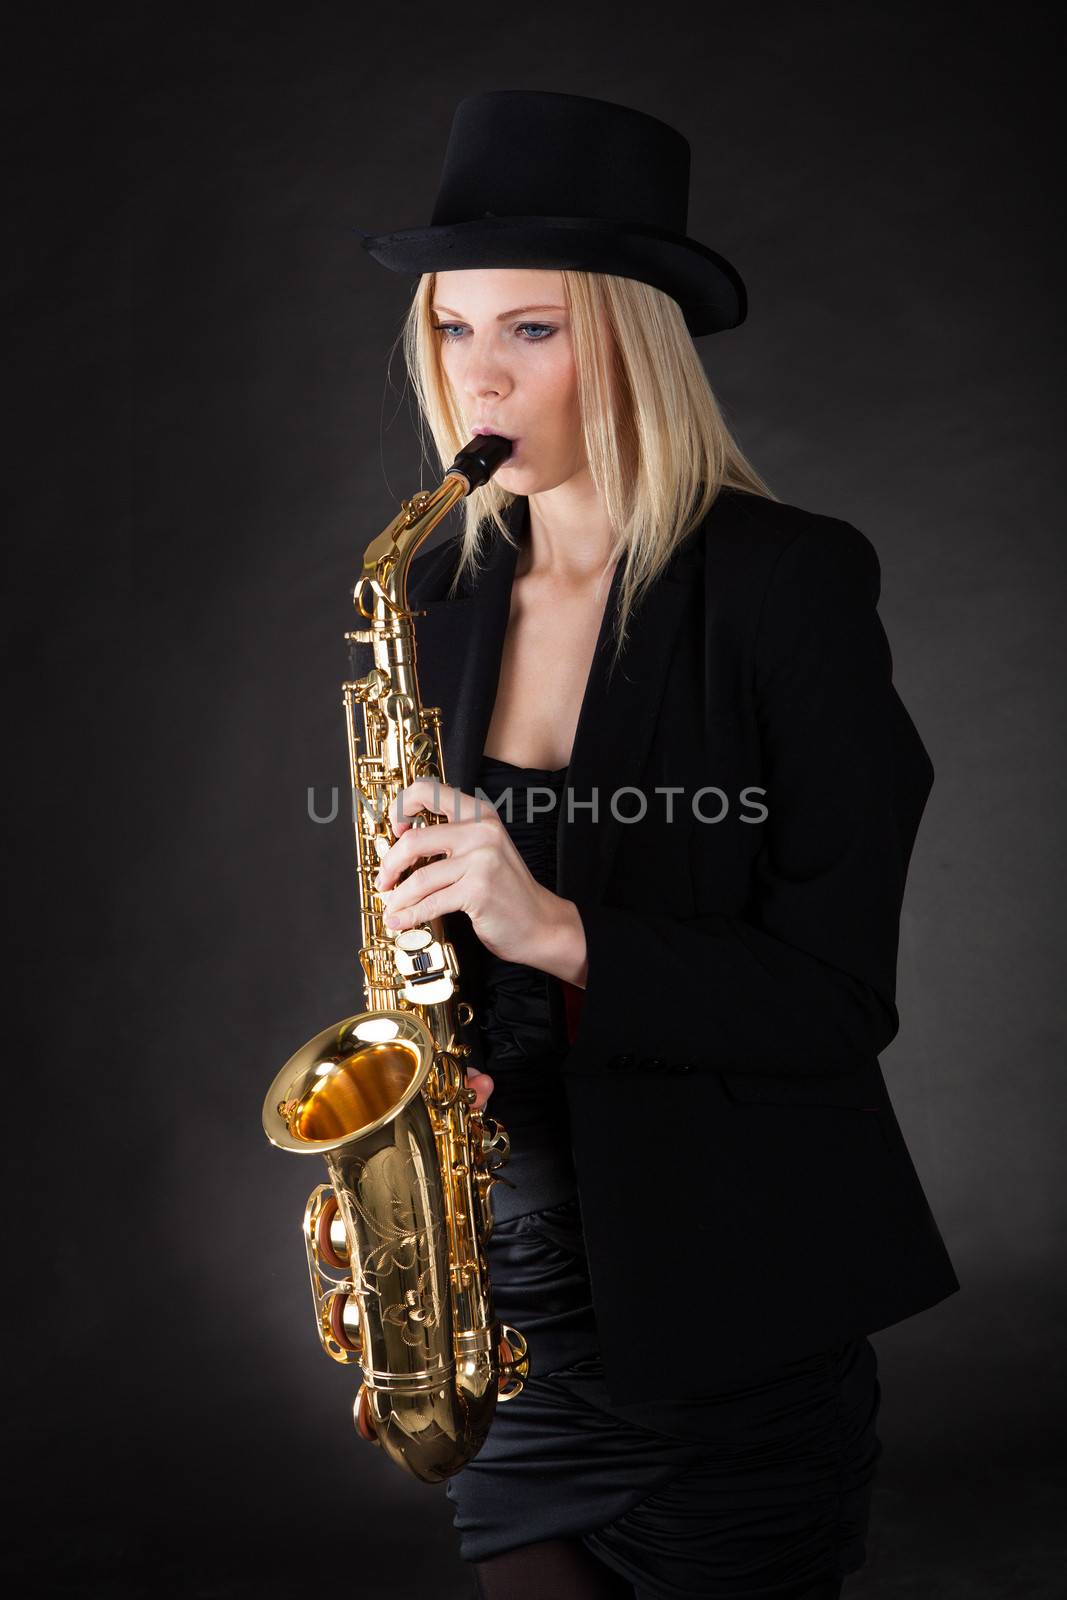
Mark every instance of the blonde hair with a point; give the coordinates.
(658, 446)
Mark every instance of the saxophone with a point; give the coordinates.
(395, 1240)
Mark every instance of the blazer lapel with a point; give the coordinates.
(620, 712)
(460, 644)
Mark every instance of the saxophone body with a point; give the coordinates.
(395, 1239)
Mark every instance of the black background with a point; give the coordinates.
(206, 428)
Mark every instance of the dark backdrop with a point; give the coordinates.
(204, 435)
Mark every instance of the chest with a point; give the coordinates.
(544, 669)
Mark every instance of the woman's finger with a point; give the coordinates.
(442, 799)
(482, 1084)
(445, 839)
(400, 903)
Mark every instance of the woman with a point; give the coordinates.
(685, 795)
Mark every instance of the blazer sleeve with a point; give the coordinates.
(805, 981)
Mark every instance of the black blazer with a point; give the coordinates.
(747, 1194)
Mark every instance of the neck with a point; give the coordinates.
(568, 534)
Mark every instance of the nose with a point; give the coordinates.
(485, 376)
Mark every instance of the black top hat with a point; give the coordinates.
(536, 179)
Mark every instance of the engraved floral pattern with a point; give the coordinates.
(403, 1244)
(416, 1313)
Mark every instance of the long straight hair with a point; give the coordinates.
(658, 446)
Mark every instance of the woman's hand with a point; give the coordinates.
(482, 1084)
(479, 871)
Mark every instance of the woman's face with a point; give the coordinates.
(505, 341)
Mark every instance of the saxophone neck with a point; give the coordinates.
(382, 587)
(381, 590)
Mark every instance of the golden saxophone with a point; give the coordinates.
(395, 1241)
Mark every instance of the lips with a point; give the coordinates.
(496, 432)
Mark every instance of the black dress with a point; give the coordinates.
(758, 1491)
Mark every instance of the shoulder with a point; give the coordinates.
(755, 552)
(765, 530)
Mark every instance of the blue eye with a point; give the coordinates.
(452, 338)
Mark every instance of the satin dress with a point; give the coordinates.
(753, 1492)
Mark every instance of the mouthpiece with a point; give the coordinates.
(478, 460)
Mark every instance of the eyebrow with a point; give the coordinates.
(504, 314)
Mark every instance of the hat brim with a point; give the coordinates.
(708, 288)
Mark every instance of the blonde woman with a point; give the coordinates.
(685, 797)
